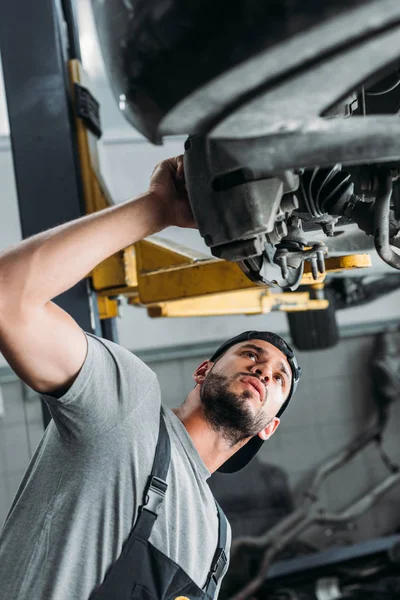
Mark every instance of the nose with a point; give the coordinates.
(263, 371)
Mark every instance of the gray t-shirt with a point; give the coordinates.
(79, 498)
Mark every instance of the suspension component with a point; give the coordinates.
(286, 255)
(331, 192)
(382, 219)
(323, 189)
(290, 255)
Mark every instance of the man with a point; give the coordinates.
(115, 502)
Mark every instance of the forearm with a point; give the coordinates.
(51, 262)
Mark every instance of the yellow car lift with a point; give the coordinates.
(172, 281)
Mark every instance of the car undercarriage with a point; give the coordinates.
(292, 117)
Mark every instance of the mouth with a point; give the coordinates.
(255, 385)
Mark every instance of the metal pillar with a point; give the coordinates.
(36, 41)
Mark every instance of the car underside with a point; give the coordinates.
(292, 116)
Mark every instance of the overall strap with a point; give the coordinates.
(156, 487)
(219, 560)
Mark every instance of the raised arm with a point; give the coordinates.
(41, 342)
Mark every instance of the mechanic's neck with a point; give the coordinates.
(213, 449)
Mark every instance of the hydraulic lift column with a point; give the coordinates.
(36, 41)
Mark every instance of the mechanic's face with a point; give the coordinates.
(244, 389)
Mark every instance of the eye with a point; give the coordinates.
(250, 354)
(280, 379)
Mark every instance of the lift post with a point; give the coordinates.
(37, 39)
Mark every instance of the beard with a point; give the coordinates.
(228, 412)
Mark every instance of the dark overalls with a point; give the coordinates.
(144, 573)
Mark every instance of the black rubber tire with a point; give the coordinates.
(315, 329)
(159, 53)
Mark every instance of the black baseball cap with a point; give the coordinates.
(243, 456)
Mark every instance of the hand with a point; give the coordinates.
(167, 186)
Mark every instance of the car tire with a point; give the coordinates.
(315, 329)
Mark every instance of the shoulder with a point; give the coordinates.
(104, 351)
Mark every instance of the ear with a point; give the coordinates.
(270, 429)
(202, 371)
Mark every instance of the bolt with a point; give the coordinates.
(314, 267)
(281, 229)
(321, 261)
(329, 228)
(284, 268)
(281, 260)
(295, 222)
